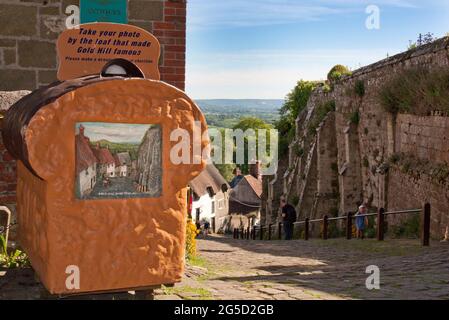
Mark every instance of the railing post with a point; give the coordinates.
(269, 231)
(248, 232)
(242, 233)
(380, 224)
(426, 225)
(349, 226)
(280, 231)
(325, 227)
(306, 229)
(254, 233)
(233, 233)
(261, 232)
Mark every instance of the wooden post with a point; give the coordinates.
(248, 233)
(261, 232)
(269, 231)
(242, 233)
(254, 233)
(426, 225)
(234, 234)
(280, 231)
(380, 224)
(325, 227)
(306, 229)
(349, 226)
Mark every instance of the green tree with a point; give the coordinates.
(255, 124)
(295, 102)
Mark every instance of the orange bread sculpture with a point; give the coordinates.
(117, 243)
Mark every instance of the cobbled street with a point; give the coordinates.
(252, 270)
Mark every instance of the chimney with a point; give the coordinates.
(255, 169)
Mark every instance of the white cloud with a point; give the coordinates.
(244, 13)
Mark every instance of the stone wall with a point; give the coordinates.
(29, 30)
(423, 136)
(366, 137)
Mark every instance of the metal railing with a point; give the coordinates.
(254, 233)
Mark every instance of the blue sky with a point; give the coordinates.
(260, 48)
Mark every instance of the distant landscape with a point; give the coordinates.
(226, 113)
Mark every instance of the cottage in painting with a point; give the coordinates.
(106, 161)
(123, 164)
(86, 164)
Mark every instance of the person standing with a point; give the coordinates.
(288, 218)
(361, 221)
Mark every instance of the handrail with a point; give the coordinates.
(8, 222)
(381, 214)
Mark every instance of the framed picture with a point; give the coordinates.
(118, 160)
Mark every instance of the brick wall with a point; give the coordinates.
(28, 34)
(29, 30)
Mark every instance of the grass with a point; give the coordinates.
(417, 91)
(189, 292)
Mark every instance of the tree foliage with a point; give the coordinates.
(295, 102)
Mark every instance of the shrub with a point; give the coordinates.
(354, 118)
(191, 234)
(337, 72)
(417, 91)
(359, 88)
(14, 259)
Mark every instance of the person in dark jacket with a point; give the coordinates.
(288, 218)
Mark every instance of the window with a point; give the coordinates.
(220, 204)
(212, 207)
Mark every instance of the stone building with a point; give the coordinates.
(29, 30)
(347, 160)
(210, 199)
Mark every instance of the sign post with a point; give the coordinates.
(104, 11)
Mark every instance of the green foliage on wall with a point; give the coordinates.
(354, 118)
(320, 113)
(359, 88)
(417, 91)
(411, 165)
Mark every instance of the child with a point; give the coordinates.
(361, 222)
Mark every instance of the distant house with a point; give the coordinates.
(106, 161)
(245, 199)
(86, 164)
(122, 164)
(209, 192)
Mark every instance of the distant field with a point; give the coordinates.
(226, 113)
